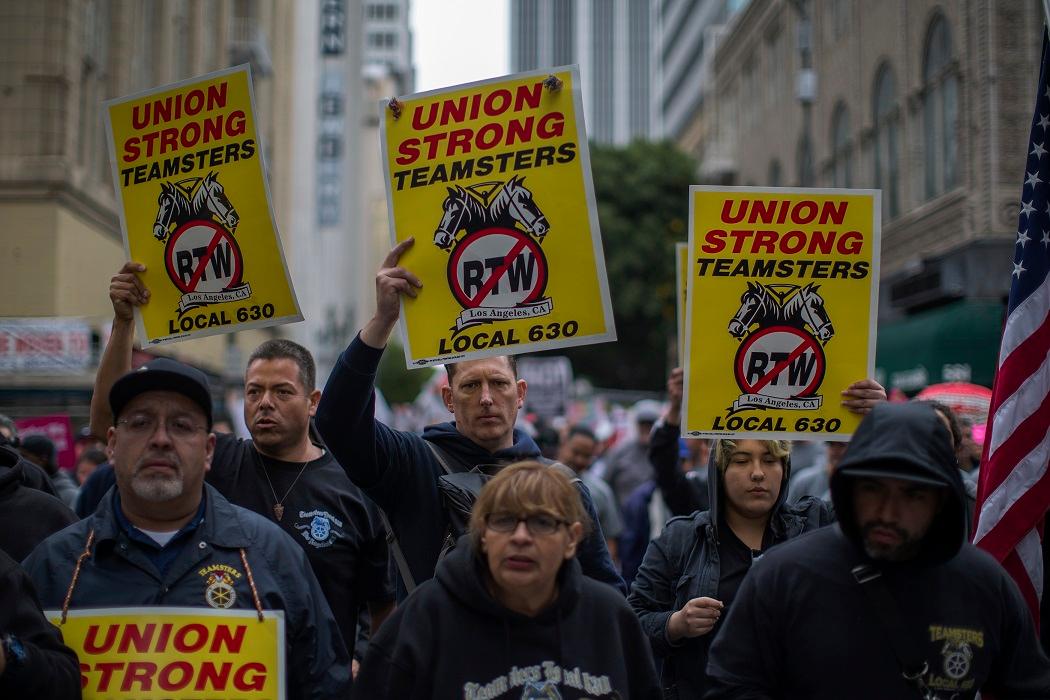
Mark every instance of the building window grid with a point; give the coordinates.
(841, 149)
(940, 111)
(886, 137)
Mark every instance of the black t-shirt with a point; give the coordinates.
(337, 525)
(734, 560)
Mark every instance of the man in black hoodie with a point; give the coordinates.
(845, 611)
(28, 515)
(399, 470)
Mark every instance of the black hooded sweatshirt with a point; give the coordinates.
(28, 515)
(452, 639)
(685, 562)
(803, 628)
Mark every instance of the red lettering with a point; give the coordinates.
(495, 132)
(236, 123)
(792, 242)
(459, 139)
(131, 149)
(764, 240)
(551, 125)
(141, 637)
(519, 130)
(141, 671)
(432, 140)
(740, 235)
(107, 668)
(182, 636)
(168, 682)
(728, 217)
(834, 212)
(84, 670)
(243, 682)
(91, 645)
(823, 241)
(217, 678)
(714, 241)
(801, 217)
(232, 639)
(497, 102)
(850, 243)
(528, 96)
(419, 123)
(169, 140)
(409, 150)
(762, 211)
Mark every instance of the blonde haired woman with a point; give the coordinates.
(509, 613)
(691, 572)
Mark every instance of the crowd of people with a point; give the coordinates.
(463, 562)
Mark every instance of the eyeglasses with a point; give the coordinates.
(143, 424)
(538, 524)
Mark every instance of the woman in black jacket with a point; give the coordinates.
(692, 571)
(509, 612)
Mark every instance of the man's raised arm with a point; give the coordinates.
(126, 291)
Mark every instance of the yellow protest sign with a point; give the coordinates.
(681, 278)
(781, 311)
(176, 653)
(493, 180)
(195, 208)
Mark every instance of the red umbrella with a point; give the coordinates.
(967, 400)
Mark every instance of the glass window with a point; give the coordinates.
(886, 159)
(841, 151)
(804, 159)
(939, 111)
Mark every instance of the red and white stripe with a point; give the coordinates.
(1014, 488)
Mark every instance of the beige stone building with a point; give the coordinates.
(928, 100)
(60, 241)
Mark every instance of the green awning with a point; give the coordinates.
(956, 342)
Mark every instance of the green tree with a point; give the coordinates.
(643, 209)
(398, 383)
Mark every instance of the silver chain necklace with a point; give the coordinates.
(278, 508)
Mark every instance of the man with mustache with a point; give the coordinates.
(165, 538)
(890, 603)
(283, 473)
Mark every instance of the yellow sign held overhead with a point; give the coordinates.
(176, 653)
(493, 181)
(781, 311)
(195, 209)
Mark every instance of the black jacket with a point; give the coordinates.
(452, 639)
(28, 515)
(682, 493)
(119, 573)
(400, 473)
(683, 563)
(802, 627)
(50, 670)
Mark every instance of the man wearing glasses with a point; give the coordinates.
(165, 538)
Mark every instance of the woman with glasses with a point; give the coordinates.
(509, 613)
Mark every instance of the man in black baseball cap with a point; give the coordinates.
(164, 537)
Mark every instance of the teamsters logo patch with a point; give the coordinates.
(496, 269)
(780, 362)
(196, 222)
(318, 528)
(219, 580)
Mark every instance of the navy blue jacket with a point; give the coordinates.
(400, 473)
(121, 573)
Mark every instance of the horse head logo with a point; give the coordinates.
(756, 303)
(798, 307)
(515, 202)
(460, 210)
(811, 311)
(535, 690)
(206, 199)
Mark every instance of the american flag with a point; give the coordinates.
(1013, 493)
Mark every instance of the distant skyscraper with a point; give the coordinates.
(611, 40)
(685, 53)
(387, 41)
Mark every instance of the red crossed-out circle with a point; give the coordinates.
(211, 235)
(805, 342)
(517, 243)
